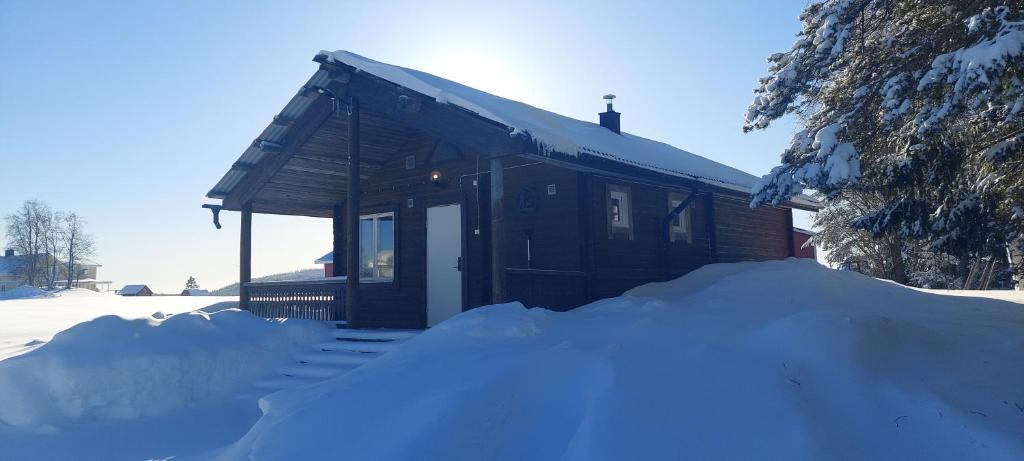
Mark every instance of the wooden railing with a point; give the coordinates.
(318, 299)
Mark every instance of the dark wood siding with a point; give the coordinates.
(547, 271)
(618, 264)
(402, 304)
(750, 234)
(574, 259)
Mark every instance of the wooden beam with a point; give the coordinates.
(352, 218)
(245, 256)
(338, 246)
(497, 231)
(321, 109)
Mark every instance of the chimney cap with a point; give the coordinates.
(609, 97)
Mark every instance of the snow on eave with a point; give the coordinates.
(555, 133)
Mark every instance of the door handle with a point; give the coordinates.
(458, 264)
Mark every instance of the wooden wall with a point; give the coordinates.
(751, 234)
(574, 259)
(402, 304)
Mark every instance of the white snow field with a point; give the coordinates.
(29, 316)
(774, 360)
(134, 385)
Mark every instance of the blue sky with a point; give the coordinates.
(128, 112)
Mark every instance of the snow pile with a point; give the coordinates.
(113, 368)
(25, 292)
(775, 360)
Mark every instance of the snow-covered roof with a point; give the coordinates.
(9, 265)
(83, 262)
(557, 133)
(327, 258)
(132, 289)
(195, 292)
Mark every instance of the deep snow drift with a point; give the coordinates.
(776, 360)
(25, 292)
(26, 323)
(169, 385)
(115, 368)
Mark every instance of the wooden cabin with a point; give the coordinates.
(135, 290)
(444, 198)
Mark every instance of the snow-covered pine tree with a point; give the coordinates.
(919, 103)
(191, 283)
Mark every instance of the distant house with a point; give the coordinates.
(444, 198)
(802, 245)
(195, 292)
(84, 274)
(135, 290)
(327, 261)
(9, 265)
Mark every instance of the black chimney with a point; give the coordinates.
(8, 253)
(610, 118)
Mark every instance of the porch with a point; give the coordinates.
(320, 299)
(351, 145)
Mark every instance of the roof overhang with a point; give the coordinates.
(299, 163)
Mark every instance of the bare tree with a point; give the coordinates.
(53, 245)
(26, 233)
(78, 245)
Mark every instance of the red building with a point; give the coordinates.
(327, 261)
(802, 245)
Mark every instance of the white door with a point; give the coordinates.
(444, 253)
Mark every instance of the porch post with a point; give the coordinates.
(497, 232)
(245, 256)
(352, 218)
(337, 249)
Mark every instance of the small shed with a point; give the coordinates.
(195, 292)
(803, 245)
(327, 261)
(135, 290)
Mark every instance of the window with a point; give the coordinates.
(377, 247)
(619, 212)
(681, 229)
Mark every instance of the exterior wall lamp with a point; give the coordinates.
(438, 179)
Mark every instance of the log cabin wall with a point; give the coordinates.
(402, 304)
(573, 257)
(620, 261)
(751, 234)
(542, 249)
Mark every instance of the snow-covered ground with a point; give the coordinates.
(28, 322)
(134, 377)
(1016, 296)
(777, 360)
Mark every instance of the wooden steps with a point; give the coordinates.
(347, 350)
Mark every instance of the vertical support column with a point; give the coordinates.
(245, 256)
(337, 248)
(497, 231)
(352, 218)
(712, 229)
(791, 244)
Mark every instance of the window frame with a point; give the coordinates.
(375, 235)
(623, 228)
(681, 228)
